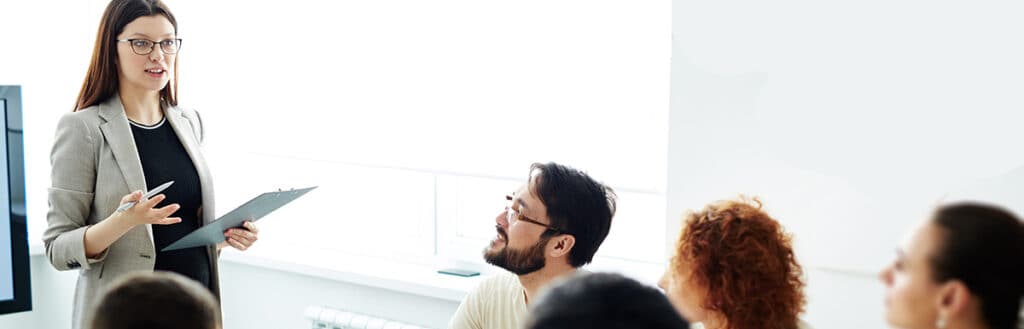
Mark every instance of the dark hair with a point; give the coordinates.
(604, 301)
(983, 247)
(577, 205)
(101, 80)
(156, 300)
(745, 260)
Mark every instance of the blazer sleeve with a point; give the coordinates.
(70, 196)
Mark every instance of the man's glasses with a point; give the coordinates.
(514, 216)
(144, 47)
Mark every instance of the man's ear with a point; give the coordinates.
(561, 245)
(954, 299)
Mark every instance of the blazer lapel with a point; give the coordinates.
(118, 135)
(187, 135)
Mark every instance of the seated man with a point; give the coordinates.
(551, 227)
(155, 300)
(603, 301)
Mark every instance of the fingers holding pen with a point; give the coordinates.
(144, 211)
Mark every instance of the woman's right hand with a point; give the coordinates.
(100, 236)
(144, 213)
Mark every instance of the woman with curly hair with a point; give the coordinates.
(734, 268)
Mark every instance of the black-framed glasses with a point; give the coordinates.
(513, 215)
(144, 46)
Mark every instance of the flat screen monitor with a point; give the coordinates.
(15, 289)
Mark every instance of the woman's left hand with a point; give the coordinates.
(240, 238)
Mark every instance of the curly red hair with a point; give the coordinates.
(744, 261)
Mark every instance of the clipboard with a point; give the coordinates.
(253, 210)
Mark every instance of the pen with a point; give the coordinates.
(148, 195)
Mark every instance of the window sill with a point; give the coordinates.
(365, 271)
(396, 276)
(360, 270)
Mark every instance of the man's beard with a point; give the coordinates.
(516, 261)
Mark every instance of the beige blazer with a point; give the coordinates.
(95, 163)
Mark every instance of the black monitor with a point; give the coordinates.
(15, 289)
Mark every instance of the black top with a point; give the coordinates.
(165, 159)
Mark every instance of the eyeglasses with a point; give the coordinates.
(515, 216)
(144, 47)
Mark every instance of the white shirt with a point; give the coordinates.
(499, 302)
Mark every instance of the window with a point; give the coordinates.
(416, 118)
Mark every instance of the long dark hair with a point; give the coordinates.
(101, 81)
(983, 247)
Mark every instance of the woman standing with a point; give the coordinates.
(128, 133)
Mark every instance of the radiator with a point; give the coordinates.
(324, 317)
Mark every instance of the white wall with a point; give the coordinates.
(851, 120)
